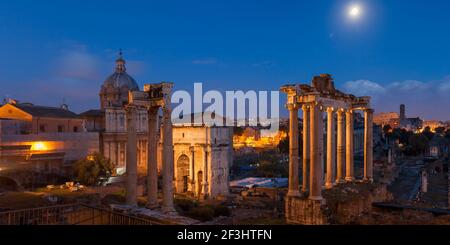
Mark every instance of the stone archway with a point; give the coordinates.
(9, 183)
(182, 176)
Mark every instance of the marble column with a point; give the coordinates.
(293, 151)
(316, 170)
(368, 145)
(192, 169)
(131, 164)
(205, 173)
(349, 168)
(152, 162)
(340, 146)
(306, 141)
(167, 164)
(331, 148)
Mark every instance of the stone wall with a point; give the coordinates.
(345, 204)
(357, 204)
(305, 212)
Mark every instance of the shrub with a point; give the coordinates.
(94, 169)
(221, 210)
(185, 205)
(202, 213)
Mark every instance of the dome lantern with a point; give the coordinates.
(114, 91)
(120, 63)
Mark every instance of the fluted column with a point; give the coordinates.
(205, 173)
(349, 168)
(306, 141)
(131, 164)
(331, 148)
(368, 145)
(152, 164)
(192, 169)
(293, 150)
(340, 146)
(316, 169)
(167, 165)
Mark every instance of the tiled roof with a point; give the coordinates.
(45, 111)
(92, 113)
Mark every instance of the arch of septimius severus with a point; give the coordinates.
(315, 100)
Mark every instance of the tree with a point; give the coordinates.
(418, 144)
(270, 165)
(427, 132)
(238, 131)
(447, 134)
(387, 129)
(94, 169)
(440, 130)
(283, 146)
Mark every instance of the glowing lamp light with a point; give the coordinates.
(39, 146)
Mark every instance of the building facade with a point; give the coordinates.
(43, 139)
(203, 156)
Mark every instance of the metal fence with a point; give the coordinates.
(71, 214)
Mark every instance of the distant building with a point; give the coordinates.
(433, 124)
(41, 138)
(402, 112)
(395, 120)
(385, 118)
(438, 146)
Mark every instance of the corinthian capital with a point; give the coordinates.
(330, 109)
(305, 107)
(292, 107)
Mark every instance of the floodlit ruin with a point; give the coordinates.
(323, 167)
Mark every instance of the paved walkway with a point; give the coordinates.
(156, 214)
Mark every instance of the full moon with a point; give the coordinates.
(354, 11)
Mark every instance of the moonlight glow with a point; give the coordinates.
(354, 11)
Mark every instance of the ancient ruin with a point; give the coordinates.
(154, 97)
(314, 100)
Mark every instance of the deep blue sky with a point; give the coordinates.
(398, 51)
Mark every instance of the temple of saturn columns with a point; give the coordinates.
(336, 165)
(154, 97)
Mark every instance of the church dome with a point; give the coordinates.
(120, 78)
(114, 91)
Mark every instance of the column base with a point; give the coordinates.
(152, 206)
(329, 185)
(349, 179)
(203, 197)
(368, 180)
(340, 181)
(169, 210)
(293, 193)
(316, 198)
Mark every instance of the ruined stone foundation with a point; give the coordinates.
(349, 203)
(304, 211)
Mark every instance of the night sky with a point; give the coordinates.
(397, 51)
